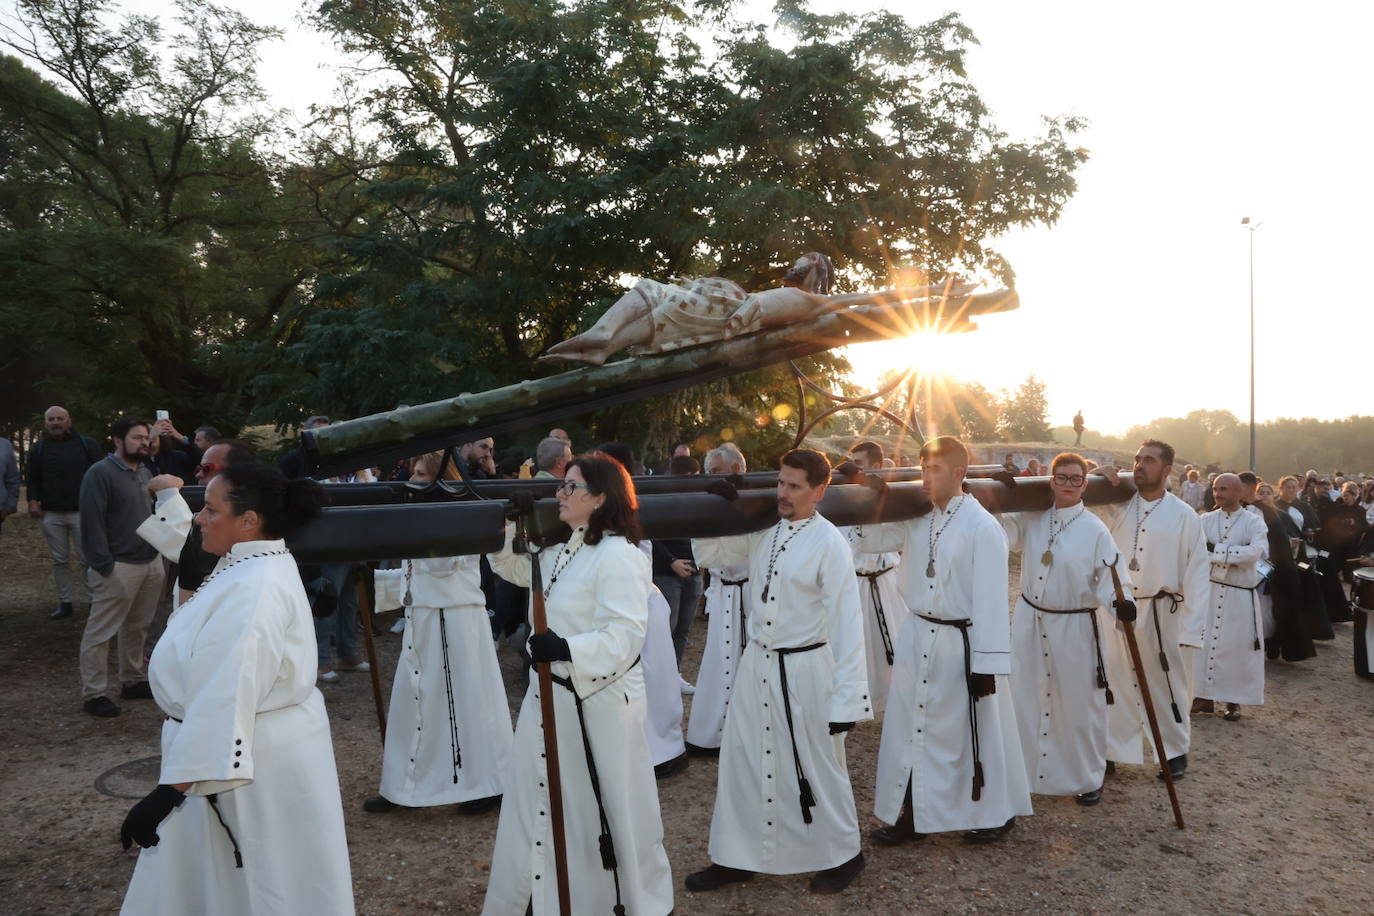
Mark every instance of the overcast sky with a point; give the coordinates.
(1136, 304)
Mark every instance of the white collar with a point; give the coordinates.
(245, 548)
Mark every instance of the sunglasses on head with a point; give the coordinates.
(208, 470)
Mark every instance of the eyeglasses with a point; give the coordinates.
(207, 470)
(569, 487)
(1064, 480)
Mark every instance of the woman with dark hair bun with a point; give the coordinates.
(596, 589)
(248, 800)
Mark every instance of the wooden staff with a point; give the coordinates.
(539, 623)
(365, 612)
(1128, 627)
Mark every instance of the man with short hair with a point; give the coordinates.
(559, 433)
(879, 596)
(950, 757)
(1061, 690)
(1160, 540)
(784, 803)
(1230, 664)
(480, 458)
(682, 450)
(57, 462)
(727, 609)
(551, 458)
(206, 436)
(125, 574)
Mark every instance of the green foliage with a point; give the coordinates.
(1023, 413)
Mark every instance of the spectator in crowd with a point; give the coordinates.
(172, 453)
(560, 433)
(1343, 526)
(682, 450)
(1209, 498)
(204, 437)
(9, 480)
(677, 576)
(57, 463)
(126, 573)
(1033, 469)
(551, 458)
(1367, 499)
(1192, 490)
(293, 464)
(480, 458)
(1010, 465)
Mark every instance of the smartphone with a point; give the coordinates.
(163, 415)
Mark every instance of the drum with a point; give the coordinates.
(1362, 603)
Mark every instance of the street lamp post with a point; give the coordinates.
(1252, 227)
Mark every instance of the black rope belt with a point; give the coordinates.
(738, 586)
(1097, 640)
(605, 842)
(448, 689)
(963, 626)
(214, 803)
(1254, 618)
(1174, 601)
(876, 595)
(808, 800)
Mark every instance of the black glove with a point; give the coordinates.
(140, 824)
(981, 685)
(725, 489)
(518, 505)
(1125, 610)
(549, 647)
(1211, 547)
(1006, 478)
(839, 728)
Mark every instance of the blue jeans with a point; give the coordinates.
(683, 594)
(342, 625)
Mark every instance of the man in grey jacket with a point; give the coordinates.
(126, 574)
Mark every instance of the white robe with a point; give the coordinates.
(757, 823)
(433, 693)
(881, 617)
(1172, 555)
(1230, 665)
(1061, 709)
(726, 608)
(662, 686)
(599, 605)
(927, 741)
(237, 666)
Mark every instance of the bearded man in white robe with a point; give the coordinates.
(1161, 542)
(1229, 667)
(784, 804)
(950, 757)
(1059, 682)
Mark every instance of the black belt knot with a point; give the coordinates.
(1254, 617)
(962, 624)
(1174, 601)
(807, 799)
(1097, 640)
(875, 594)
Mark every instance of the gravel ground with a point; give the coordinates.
(1277, 821)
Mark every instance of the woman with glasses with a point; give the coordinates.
(448, 735)
(596, 591)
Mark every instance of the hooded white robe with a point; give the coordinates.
(236, 665)
(448, 730)
(927, 739)
(1061, 709)
(1172, 555)
(757, 823)
(1230, 665)
(599, 605)
(882, 612)
(726, 610)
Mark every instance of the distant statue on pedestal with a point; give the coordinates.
(1078, 427)
(657, 317)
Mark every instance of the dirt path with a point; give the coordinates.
(1278, 805)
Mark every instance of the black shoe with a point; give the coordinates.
(1232, 712)
(139, 691)
(895, 835)
(694, 750)
(479, 805)
(1177, 767)
(990, 834)
(64, 610)
(834, 880)
(1111, 767)
(1088, 799)
(379, 805)
(102, 707)
(671, 767)
(715, 876)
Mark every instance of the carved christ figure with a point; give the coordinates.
(657, 317)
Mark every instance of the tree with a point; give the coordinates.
(1024, 412)
(527, 167)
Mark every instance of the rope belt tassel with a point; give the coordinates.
(962, 625)
(807, 799)
(1097, 641)
(875, 594)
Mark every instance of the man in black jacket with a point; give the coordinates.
(57, 463)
